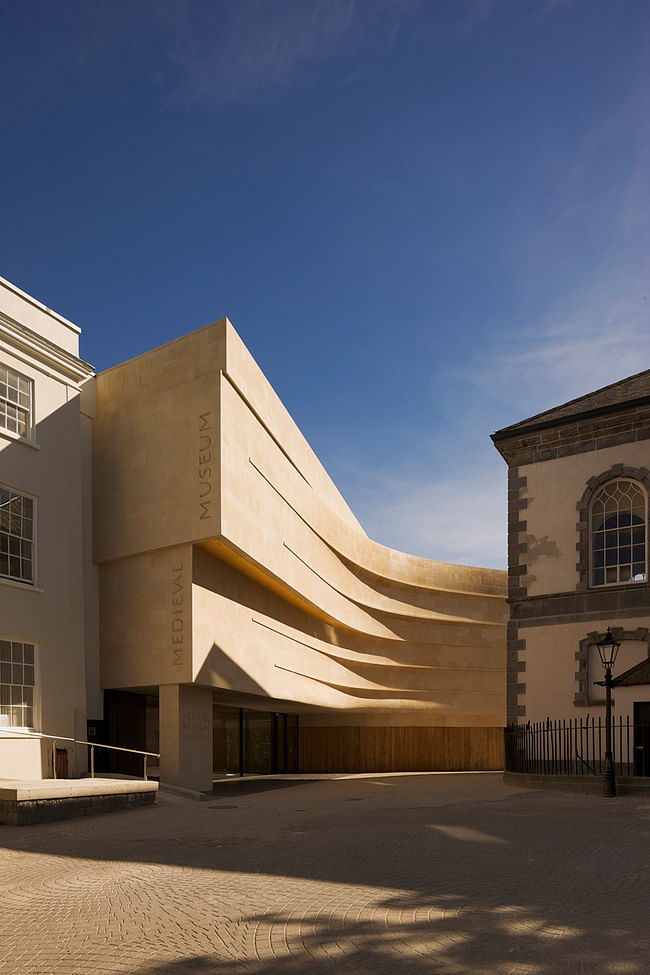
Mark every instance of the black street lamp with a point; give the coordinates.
(608, 649)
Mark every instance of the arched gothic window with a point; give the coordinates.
(619, 533)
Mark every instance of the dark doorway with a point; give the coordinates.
(96, 734)
(642, 737)
(254, 742)
(125, 718)
(290, 739)
(61, 763)
(225, 740)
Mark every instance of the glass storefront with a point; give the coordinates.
(257, 742)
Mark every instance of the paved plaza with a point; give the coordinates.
(381, 874)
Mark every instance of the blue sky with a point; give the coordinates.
(427, 219)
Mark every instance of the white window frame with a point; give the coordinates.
(7, 577)
(35, 725)
(28, 410)
(592, 533)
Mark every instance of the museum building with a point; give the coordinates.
(179, 574)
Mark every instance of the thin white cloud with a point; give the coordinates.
(602, 336)
(453, 507)
(478, 11)
(450, 503)
(221, 51)
(554, 4)
(233, 50)
(239, 49)
(593, 334)
(459, 519)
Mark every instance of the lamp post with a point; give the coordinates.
(608, 649)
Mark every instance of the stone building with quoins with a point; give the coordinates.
(578, 486)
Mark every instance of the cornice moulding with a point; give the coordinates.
(43, 353)
(39, 304)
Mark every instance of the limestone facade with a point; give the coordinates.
(232, 573)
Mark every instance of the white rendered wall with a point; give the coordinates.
(50, 613)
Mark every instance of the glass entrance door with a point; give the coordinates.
(253, 742)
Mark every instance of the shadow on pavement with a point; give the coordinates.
(233, 788)
(505, 940)
(363, 876)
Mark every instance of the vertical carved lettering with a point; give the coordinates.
(177, 615)
(205, 462)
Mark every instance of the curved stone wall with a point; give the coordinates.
(230, 561)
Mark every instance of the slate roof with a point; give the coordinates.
(626, 392)
(639, 674)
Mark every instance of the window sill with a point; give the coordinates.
(618, 585)
(16, 438)
(14, 584)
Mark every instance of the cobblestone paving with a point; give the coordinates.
(452, 874)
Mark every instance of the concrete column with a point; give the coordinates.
(186, 736)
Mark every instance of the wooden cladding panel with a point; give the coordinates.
(387, 749)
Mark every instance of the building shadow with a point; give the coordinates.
(460, 936)
(406, 879)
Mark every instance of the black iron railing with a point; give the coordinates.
(577, 747)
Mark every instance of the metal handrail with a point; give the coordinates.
(79, 741)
